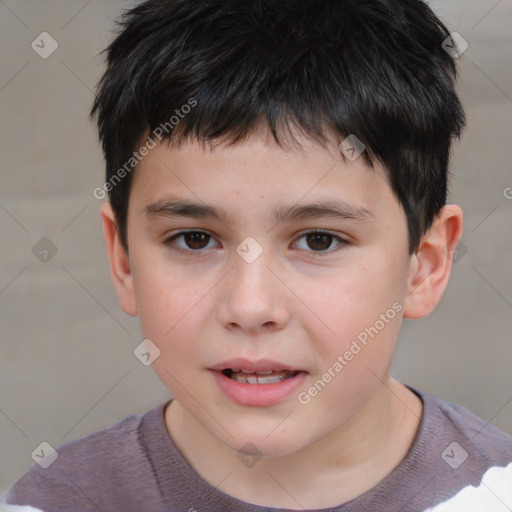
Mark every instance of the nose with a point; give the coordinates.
(253, 297)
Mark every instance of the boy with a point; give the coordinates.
(240, 137)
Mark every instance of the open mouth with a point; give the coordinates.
(266, 377)
(261, 383)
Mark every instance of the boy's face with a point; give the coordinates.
(302, 302)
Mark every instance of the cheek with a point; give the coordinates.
(165, 293)
(169, 306)
(352, 299)
(361, 317)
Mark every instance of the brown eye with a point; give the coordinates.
(318, 242)
(193, 241)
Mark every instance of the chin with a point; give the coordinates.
(256, 443)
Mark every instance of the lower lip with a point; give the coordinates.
(257, 395)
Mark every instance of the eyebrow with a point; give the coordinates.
(324, 208)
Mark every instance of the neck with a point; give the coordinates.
(359, 453)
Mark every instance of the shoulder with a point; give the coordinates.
(493, 493)
(108, 465)
(474, 458)
(480, 438)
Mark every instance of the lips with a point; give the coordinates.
(260, 383)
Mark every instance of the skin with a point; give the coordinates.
(290, 305)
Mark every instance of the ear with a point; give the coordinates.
(119, 262)
(432, 263)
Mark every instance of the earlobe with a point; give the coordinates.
(119, 262)
(431, 264)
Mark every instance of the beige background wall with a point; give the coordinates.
(67, 363)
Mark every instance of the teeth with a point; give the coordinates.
(271, 380)
(267, 372)
(257, 379)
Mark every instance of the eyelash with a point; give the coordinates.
(190, 252)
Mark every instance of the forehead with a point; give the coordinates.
(232, 180)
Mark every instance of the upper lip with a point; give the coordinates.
(253, 366)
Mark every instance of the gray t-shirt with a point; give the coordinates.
(456, 460)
